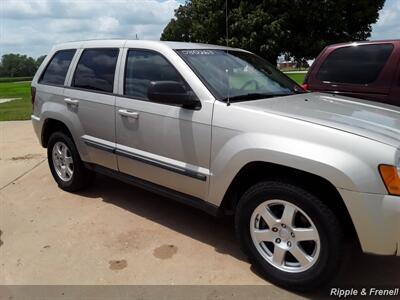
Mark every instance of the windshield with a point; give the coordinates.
(238, 75)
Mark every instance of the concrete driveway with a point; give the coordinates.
(116, 234)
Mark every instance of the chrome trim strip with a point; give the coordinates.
(143, 159)
(99, 146)
(161, 164)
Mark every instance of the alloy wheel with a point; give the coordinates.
(285, 236)
(62, 161)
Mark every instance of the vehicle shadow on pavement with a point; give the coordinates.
(184, 219)
(359, 270)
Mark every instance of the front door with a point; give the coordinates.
(164, 144)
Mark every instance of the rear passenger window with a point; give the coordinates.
(143, 67)
(96, 70)
(57, 69)
(356, 64)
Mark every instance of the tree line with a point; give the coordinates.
(299, 28)
(18, 65)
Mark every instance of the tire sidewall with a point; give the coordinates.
(330, 241)
(61, 137)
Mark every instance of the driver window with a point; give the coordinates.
(143, 67)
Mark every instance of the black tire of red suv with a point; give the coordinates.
(81, 176)
(329, 229)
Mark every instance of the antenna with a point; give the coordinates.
(226, 22)
(226, 39)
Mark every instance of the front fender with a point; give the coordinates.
(345, 169)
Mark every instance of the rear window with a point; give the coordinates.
(57, 69)
(360, 64)
(96, 70)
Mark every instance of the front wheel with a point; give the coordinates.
(290, 235)
(65, 163)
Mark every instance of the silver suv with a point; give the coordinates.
(223, 130)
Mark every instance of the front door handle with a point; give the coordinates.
(128, 113)
(71, 101)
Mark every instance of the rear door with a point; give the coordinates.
(90, 96)
(358, 70)
(50, 84)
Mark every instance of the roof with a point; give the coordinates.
(365, 42)
(139, 43)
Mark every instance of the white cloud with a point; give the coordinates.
(33, 26)
(25, 9)
(388, 25)
(107, 24)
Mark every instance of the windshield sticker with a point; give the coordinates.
(198, 52)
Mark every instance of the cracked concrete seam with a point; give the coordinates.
(23, 174)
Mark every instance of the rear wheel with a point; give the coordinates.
(291, 236)
(65, 164)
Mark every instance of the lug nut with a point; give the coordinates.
(278, 241)
(289, 244)
(292, 234)
(283, 225)
(274, 229)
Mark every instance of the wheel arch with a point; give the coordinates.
(50, 126)
(257, 171)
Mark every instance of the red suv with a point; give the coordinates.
(368, 70)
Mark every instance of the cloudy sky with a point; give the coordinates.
(33, 26)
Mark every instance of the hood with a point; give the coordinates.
(372, 120)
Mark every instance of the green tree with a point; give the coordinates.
(301, 28)
(15, 65)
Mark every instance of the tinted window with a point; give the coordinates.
(57, 69)
(355, 64)
(96, 69)
(143, 67)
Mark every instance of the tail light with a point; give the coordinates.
(305, 86)
(33, 95)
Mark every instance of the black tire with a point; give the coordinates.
(327, 224)
(81, 177)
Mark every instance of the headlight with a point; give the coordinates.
(391, 178)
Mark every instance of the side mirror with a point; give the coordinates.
(172, 92)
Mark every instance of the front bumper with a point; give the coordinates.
(376, 219)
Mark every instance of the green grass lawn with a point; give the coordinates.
(17, 109)
(298, 77)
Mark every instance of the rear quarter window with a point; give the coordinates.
(96, 70)
(359, 64)
(57, 68)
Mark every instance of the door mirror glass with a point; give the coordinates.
(172, 92)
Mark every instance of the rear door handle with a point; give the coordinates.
(71, 101)
(128, 113)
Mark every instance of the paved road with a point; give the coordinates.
(113, 233)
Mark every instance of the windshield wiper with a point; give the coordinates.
(253, 96)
